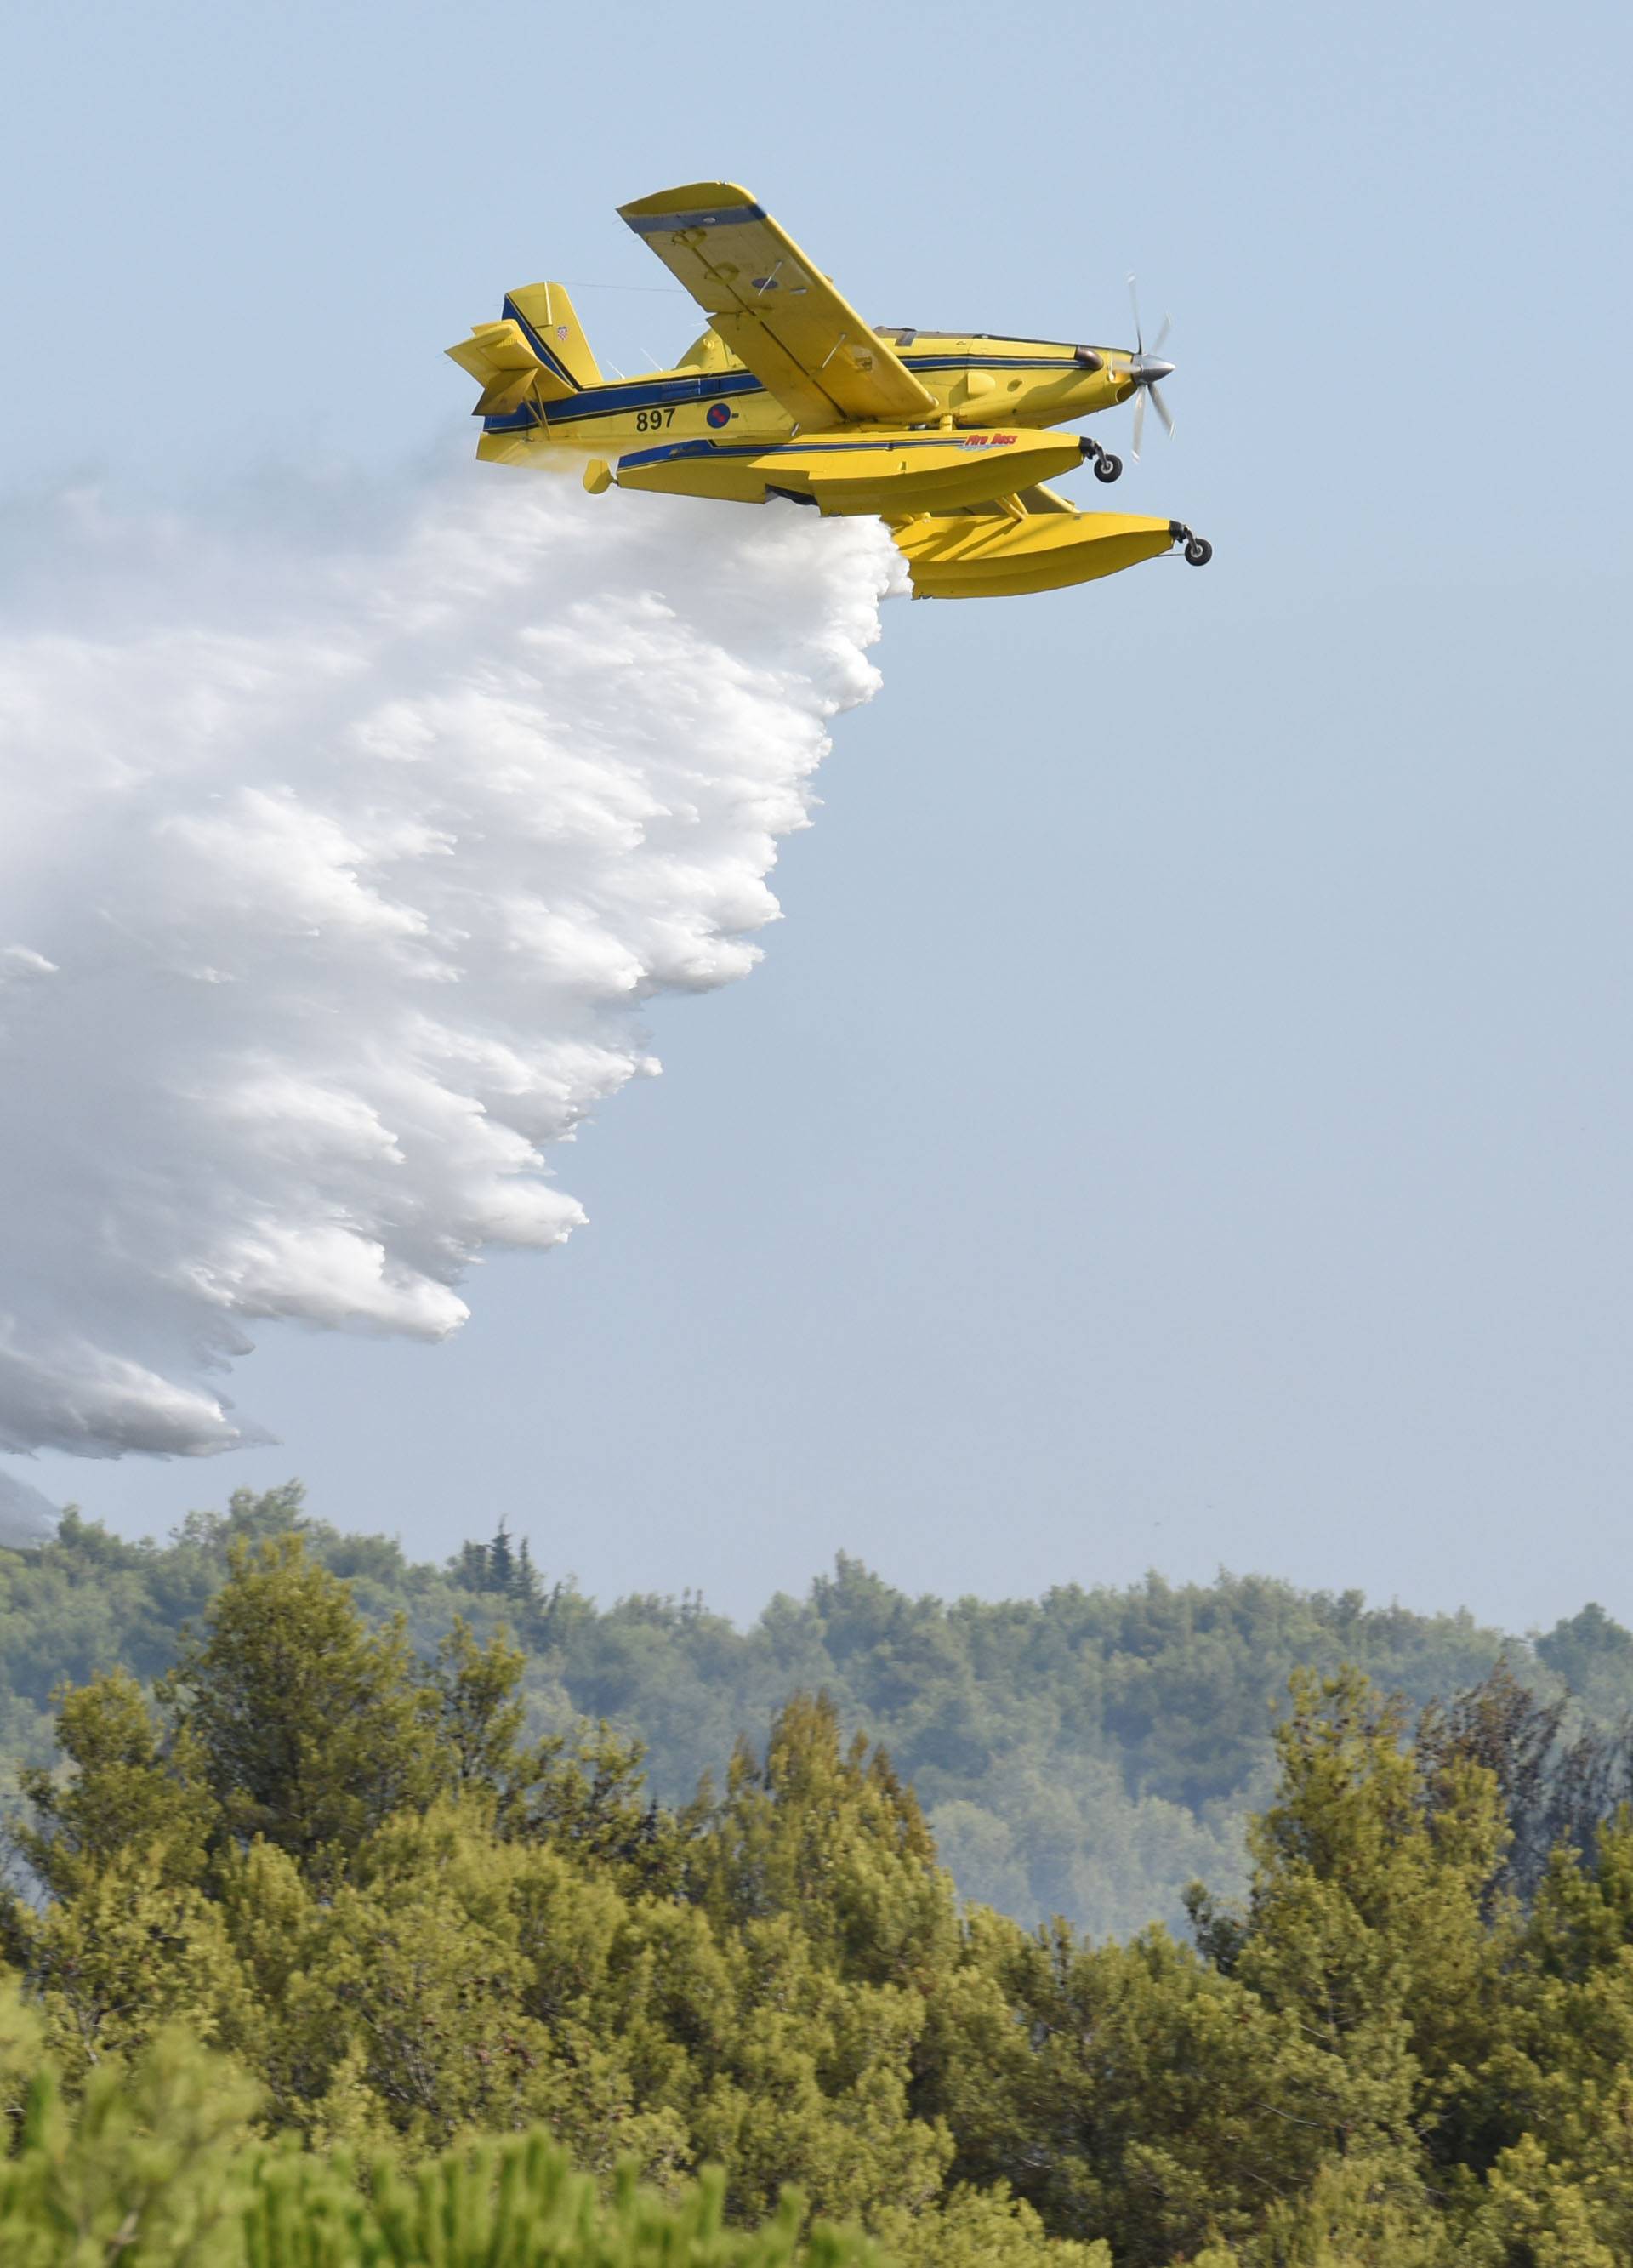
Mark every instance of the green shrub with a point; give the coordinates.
(156, 2166)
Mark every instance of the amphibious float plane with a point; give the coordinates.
(790, 394)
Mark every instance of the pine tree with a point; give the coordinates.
(310, 1728)
(469, 1566)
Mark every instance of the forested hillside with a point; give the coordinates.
(1086, 1754)
(329, 1963)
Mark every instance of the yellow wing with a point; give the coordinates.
(778, 315)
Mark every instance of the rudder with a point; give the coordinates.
(546, 312)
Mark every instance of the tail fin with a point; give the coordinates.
(547, 312)
(537, 350)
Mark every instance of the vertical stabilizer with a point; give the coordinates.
(549, 315)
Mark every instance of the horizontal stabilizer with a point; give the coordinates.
(499, 358)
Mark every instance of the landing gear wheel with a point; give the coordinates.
(1108, 468)
(1198, 551)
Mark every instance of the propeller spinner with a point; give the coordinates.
(1145, 370)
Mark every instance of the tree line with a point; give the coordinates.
(329, 1909)
(1086, 1754)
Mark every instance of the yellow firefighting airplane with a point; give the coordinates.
(790, 394)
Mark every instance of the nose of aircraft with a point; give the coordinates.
(1148, 369)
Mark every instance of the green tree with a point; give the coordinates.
(311, 1729)
(126, 1942)
(481, 1712)
(1371, 1919)
(123, 1794)
(1593, 1654)
(829, 1832)
(148, 2168)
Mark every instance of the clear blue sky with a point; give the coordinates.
(1185, 1118)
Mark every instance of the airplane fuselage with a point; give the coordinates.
(709, 427)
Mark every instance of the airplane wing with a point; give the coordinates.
(778, 315)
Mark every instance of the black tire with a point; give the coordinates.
(1106, 467)
(1198, 551)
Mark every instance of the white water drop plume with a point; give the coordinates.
(339, 850)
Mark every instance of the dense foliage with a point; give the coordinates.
(157, 2165)
(400, 1928)
(1086, 1754)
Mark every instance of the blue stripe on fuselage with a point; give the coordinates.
(650, 394)
(987, 362)
(633, 393)
(671, 450)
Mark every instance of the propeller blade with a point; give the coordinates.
(1159, 405)
(1168, 325)
(1139, 420)
(1139, 336)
